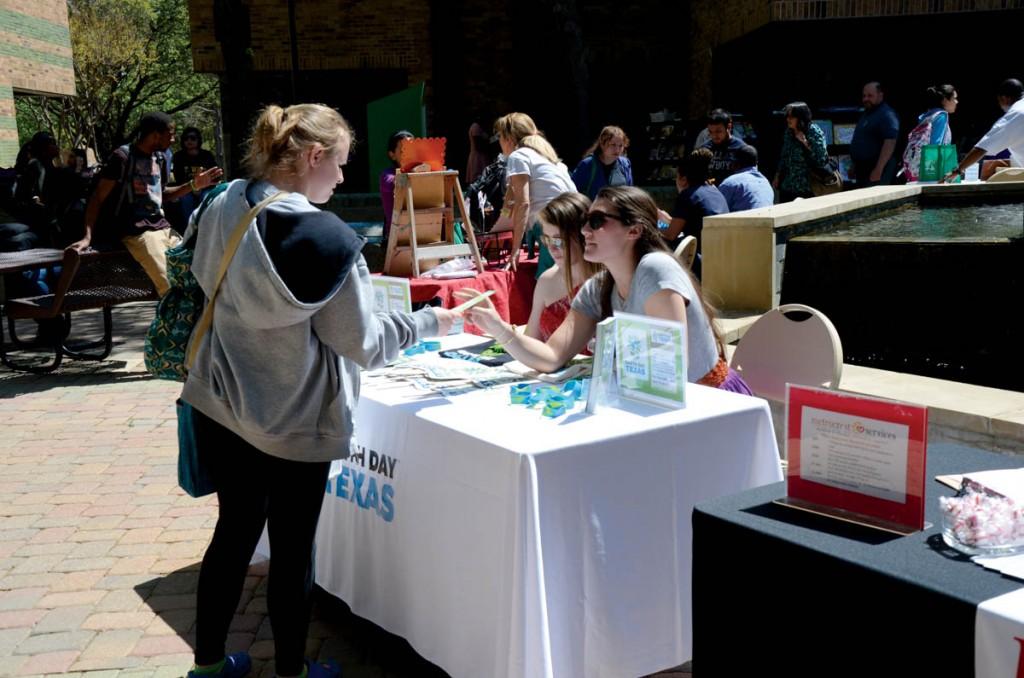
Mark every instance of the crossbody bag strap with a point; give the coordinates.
(229, 252)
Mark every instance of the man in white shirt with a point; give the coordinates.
(1007, 132)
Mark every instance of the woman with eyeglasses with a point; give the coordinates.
(562, 223)
(641, 277)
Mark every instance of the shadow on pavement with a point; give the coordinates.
(363, 649)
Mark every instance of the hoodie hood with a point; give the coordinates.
(252, 284)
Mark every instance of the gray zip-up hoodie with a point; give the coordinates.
(281, 373)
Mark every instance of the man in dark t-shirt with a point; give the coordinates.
(187, 163)
(697, 199)
(128, 202)
(874, 139)
(723, 145)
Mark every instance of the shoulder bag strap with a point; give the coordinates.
(229, 252)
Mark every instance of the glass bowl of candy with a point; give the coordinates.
(981, 523)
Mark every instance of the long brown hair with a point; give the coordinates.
(568, 212)
(607, 134)
(637, 208)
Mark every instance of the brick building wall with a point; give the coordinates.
(574, 66)
(330, 35)
(715, 23)
(35, 56)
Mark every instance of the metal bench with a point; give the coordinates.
(95, 280)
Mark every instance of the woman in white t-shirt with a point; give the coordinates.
(536, 176)
(641, 277)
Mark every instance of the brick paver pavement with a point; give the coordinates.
(100, 549)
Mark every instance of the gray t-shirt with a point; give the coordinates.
(658, 271)
(547, 179)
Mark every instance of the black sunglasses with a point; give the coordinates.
(596, 219)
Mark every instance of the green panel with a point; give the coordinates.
(8, 122)
(384, 117)
(6, 92)
(8, 152)
(37, 29)
(19, 52)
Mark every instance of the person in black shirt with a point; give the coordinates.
(190, 160)
(698, 198)
(723, 145)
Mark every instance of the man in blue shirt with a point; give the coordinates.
(874, 139)
(723, 145)
(747, 188)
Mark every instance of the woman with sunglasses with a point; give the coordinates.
(641, 277)
(190, 160)
(562, 223)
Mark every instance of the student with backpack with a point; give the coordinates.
(127, 205)
(932, 128)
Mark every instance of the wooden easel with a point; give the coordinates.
(423, 222)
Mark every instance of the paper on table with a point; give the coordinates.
(1006, 482)
(1011, 566)
(454, 275)
(573, 371)
(952, 480)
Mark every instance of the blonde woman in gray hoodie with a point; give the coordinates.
(275, 380)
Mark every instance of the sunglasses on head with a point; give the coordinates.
(596, 219)
(552, 243)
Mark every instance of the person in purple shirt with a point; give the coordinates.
(698, 198)
(387, 179)
(747, 188)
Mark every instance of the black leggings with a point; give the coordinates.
(253, 488)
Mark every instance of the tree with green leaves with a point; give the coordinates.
(130, 57)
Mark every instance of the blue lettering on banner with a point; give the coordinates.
(634, 368)
(361, 488)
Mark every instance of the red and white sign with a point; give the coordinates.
(859, 455)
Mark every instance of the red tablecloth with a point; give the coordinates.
(513, 292)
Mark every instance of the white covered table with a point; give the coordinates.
(500, 543)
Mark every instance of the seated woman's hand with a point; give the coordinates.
(483, 315)
(445, 320)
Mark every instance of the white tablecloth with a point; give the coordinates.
(500, 543)
(999, 636)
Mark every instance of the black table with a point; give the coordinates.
(13, 262)
(782, 592)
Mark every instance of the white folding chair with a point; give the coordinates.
(792, 343)
(686, 251)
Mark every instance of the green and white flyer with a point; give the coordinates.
(601, 379)
(391, 294)
(651, 359)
